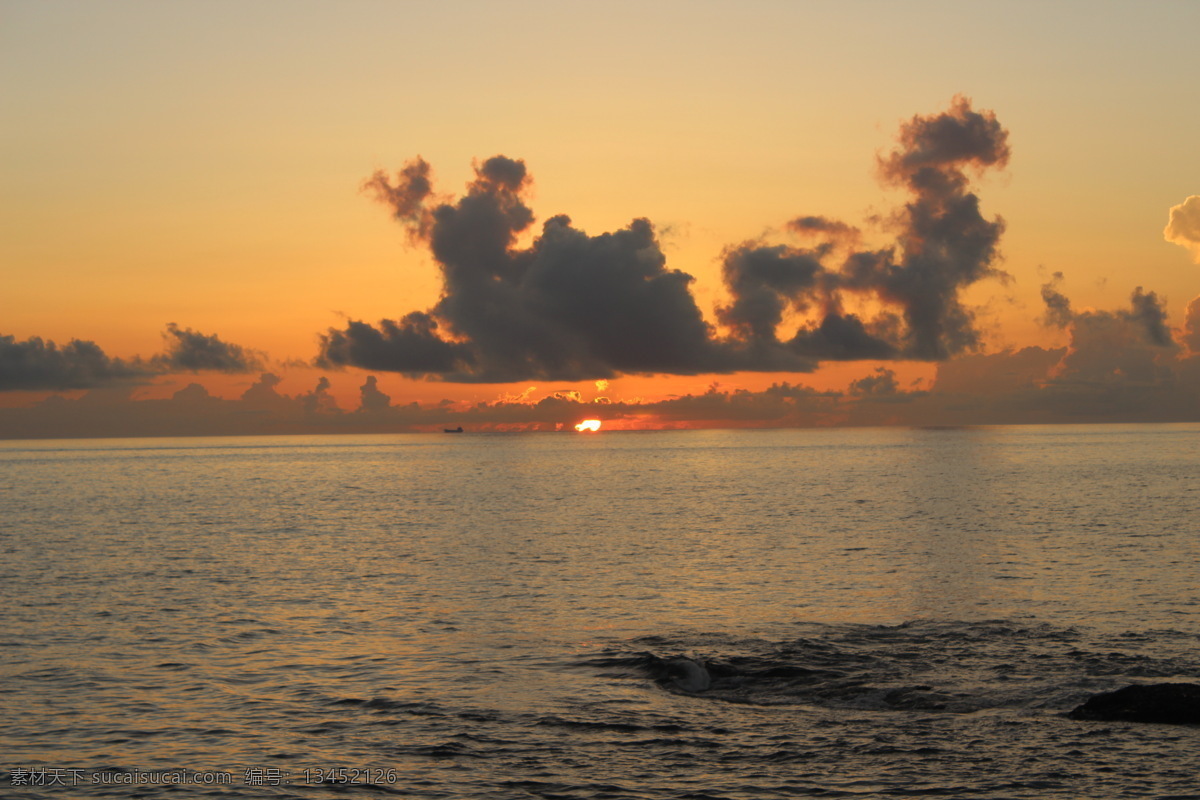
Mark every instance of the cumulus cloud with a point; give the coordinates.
(410, 345)
(192, 351)
(1147, 314)
(1183, 226)
(764, 282)
(406, 194)
(263, 393)
(37, 364)
(371, 398)
(1118, 347)
(1001, 375)
(1119, 365)
(943, 244)
(881, 384)
(1107, 348)
(570, 306)
(829, 232)
(1191, 327)
(320, 400)
(573, 306)
(1058, 306)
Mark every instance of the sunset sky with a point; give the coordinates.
(206, 166)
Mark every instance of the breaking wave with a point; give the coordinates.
(951, 667)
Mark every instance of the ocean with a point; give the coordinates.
(685, 614)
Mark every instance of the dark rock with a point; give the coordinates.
(1174, 703)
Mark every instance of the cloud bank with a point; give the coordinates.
(1120, 365)
(573, 306)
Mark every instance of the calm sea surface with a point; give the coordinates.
(878, 613)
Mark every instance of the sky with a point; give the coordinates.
(279, 217)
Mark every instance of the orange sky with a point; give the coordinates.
(203, 163)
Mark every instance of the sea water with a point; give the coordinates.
(880, 613)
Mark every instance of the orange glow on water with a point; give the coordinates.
(588, 425)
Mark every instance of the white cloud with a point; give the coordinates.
(1183, 228)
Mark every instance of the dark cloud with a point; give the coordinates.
(1110, 348)
(882, 383)
(319, 400)
(263, 394)
(196, 396)
(1147, 314)
(1150, 313)
(936, 148)
(764, 281)
(846, 337)
(1058, 308)
(192, 411)
(372, 399)
(406, 196)
(192, 351)
(569, 306)
(782, 404)
(823, 226)
(1119, 365)
(944, 243)
(1191, 327)
(606, 304)
(999, 375)
(37, 364)
(573, 306)
(410, 346)
(1111, 370)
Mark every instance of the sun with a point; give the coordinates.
(588, 426)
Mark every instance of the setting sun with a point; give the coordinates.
(588, 426)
